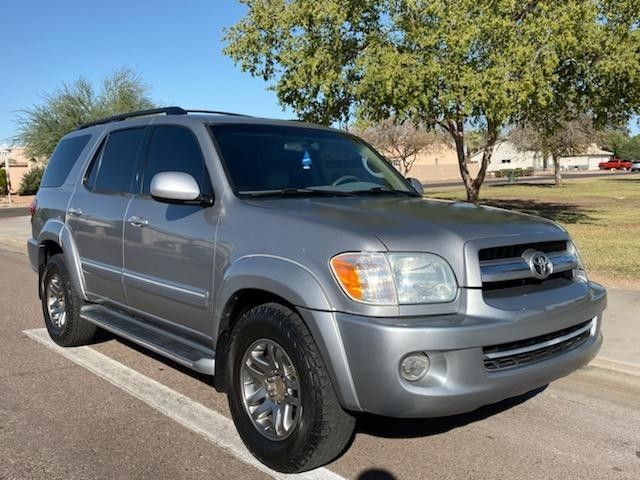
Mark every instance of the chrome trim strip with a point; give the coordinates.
(145, 279)
(517, 268)
(538, 346)
(198, 298)
(100, 266)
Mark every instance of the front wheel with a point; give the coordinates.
(280, 395)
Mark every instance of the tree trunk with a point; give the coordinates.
(545, 160)
(472, 192)
(556, 170)
(472, 185)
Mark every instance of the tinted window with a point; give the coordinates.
(174, 149)
(116, 164)
(264, 158)
(62, 160)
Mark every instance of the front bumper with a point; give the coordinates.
(457, 380)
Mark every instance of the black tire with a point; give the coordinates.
(74, 331)
(324, 429)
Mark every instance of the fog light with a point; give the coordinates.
(414, 366)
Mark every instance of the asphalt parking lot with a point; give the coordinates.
(112, 410)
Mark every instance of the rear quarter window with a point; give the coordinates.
(62, 160)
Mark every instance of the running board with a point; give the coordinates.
(184, 352)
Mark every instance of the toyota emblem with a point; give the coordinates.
(539, 264)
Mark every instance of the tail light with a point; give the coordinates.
(32, 208)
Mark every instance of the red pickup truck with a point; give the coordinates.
(615, 164)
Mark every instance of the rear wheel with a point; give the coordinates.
(61, 306)
(280, 395)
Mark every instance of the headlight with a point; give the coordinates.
(395, 278)
(579, 272)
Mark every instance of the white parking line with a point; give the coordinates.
(215, 427)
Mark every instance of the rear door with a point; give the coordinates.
(168, 248)
(96, 211)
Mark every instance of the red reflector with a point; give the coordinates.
(32, 208)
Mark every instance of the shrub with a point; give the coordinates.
(3, 181)
(514, 172)
(31, 181)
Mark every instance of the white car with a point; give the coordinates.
(635, 166)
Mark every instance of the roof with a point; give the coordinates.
(180, 115)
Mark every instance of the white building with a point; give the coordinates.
(589, 160)
(507, 156)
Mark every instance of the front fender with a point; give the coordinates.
(300, 287)
(277, 275)
(56, 231)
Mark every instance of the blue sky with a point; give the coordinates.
(175, 45)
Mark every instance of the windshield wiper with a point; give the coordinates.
(384, 191)
(293, 192)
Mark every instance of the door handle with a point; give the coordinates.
(136, 221)
(75, 212)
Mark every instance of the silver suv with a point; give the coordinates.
(296, 266)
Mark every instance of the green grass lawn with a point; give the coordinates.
(602, 215)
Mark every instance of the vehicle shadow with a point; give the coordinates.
(558, 212)
(105, 336)
(411, 427)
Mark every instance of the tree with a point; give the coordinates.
(30, 182)
(622, 146)
(3, 181)
(400, 142)
(456, 64)
(41, 127)
(565, 139)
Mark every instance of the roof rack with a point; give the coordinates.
(218, 112)
(139, 113)
(153, 111)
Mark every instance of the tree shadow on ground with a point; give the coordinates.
(411, 427)
(558, 212)
(539, 183)
(376, 474)
(624, 180)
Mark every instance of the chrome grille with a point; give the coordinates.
(525, 352)
(513, 251)
(506, 264)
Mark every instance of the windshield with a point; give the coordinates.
(265, 159)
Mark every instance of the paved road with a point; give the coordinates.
(60, 420)
(536, 179)
(13, 212)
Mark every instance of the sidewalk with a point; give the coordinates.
(621, 326)
(16, 201)
(14, 232)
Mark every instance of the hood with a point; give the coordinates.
(415, 224)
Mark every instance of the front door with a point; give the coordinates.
(168, 248)
(96, 212)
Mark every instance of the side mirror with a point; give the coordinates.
(178, 187)
(417, 185)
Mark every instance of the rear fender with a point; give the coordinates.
(57, 232)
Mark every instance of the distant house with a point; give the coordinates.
(507, 156)
(588, 160)
(19, 164)
(437, 163)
